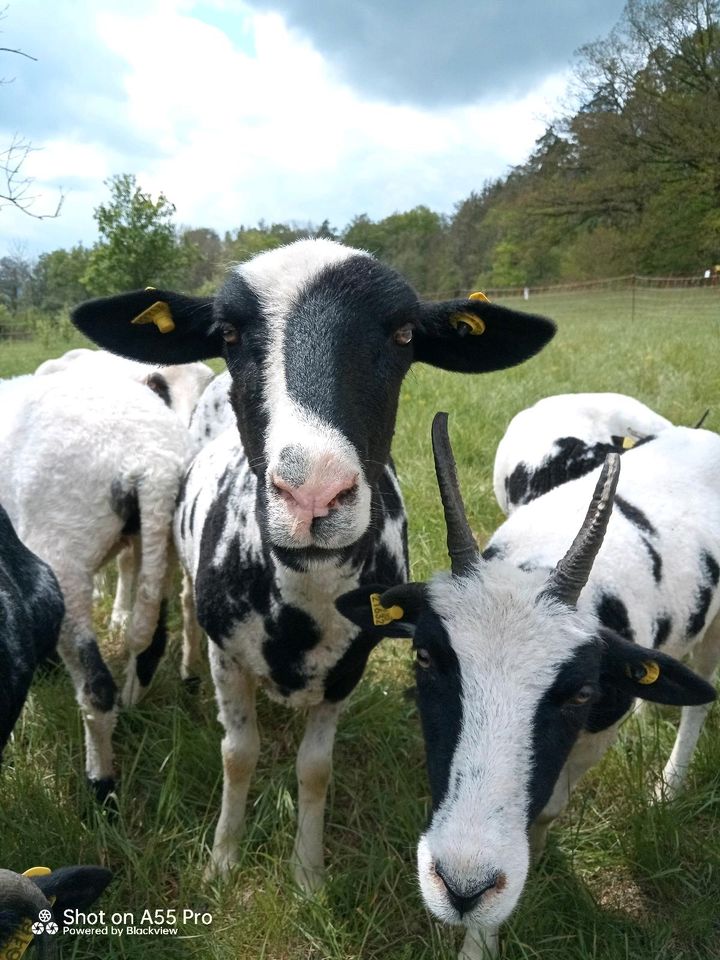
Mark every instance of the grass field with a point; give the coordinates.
(622, 879)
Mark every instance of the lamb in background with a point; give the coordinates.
(86, 471)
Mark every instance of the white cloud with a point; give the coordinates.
(253, 122)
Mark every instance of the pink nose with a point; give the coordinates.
(314, 499)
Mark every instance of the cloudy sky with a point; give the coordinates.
(279, 109)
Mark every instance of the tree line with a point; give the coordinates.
(628, 181)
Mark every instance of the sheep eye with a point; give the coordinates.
(422, 658)
(403, 335)
(581, 697)
(229, 333)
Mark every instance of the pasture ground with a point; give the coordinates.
(622, 879)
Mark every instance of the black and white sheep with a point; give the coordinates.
(214, 413)
(563, 437)
(33, 906)
(31, 611)
(304, 504)
(87, 468)
(529, 654)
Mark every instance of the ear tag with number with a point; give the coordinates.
(479, 295)
(651, 672)
(159, 314)
(37, 872)
(628, 443)
(381, 615)
(475, 326)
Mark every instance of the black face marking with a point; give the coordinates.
(661, 631)
(612, 613)
(635, 516)
(571, 458)
(439, 699)
(124, 503)
(147, 661)
(709, 575)
(290, 635)
(340, 358)
(557, 725)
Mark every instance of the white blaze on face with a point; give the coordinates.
(509, 649)
(332, 480)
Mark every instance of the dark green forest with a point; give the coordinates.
(627, 182)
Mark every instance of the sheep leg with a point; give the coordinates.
(128, 563)
(95, 692)
(314, 768)
(704, 659)
(235, 694)
(192, 636)
(479, 944)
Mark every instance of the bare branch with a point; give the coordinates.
(14, 187)
(20, 53)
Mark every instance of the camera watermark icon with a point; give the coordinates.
(44, 924)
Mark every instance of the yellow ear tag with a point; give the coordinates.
(19, 942)
(477, 326)
(652, 672)
(381, 615)
(159, 314)
(628, 443)
(37, 872)
(479, 295)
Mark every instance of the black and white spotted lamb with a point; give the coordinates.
(31, 611)
(274, 523)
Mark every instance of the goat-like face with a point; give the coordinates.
(505, 683)
(320, 339)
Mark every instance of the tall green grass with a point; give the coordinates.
(622, 879)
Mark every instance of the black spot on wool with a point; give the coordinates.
(655, 558)
(634, 515)
(571, 458)
(124, 504)
(612, 613)
(661, 631)
(710, 574)
(159, 385)
(290, 635)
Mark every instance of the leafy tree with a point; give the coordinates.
(139, 244)
(58, 278)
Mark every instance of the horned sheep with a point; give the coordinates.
(529, 654)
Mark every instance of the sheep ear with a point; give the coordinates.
(384, 611)
(154, 326)
(75, 888)
(476, 336)
(651, 675)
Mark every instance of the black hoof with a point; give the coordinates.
(192, 684)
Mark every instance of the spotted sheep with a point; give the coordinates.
(213, 413)
(529, 654)
(563, 437)
(274, 524)
(31, 611)
(88, 467)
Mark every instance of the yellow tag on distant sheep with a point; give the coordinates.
(652, 672)
(159, 314)
(381, 615)
(37, 872)
(476, 325)
(479, 295)
(628, 443)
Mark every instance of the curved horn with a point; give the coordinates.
(572, 572)
(460, 542)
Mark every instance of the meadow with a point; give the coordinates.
(622, 879)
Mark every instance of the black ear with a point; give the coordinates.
(384, 611)
(75, 888)
(155, 326)
(476, 336)
(650, 674)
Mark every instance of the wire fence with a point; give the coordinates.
(631, 298)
